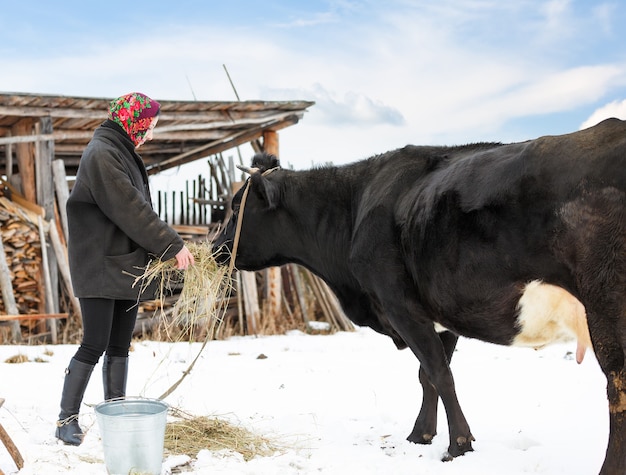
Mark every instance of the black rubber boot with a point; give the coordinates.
(114, 375)
(77, 376)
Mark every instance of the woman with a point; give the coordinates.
(112, 232)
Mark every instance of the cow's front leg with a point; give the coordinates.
(383, 276)
(425, 427)
(420, 336)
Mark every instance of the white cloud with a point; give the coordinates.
(613, 109)
(347, 109)
(564, 90)
(604, 14)
(322, 18)
(555, 12)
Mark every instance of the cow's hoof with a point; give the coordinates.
(446, 457)
(462, 445)
(423, 439)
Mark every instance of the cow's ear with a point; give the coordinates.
(266, 190)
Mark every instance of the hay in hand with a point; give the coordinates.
(189, 435)
(204, 296)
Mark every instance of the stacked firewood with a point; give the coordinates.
(22, 247)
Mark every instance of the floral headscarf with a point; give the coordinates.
(134, 112)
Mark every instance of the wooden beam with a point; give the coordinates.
(227, 143)
(227, 113)
(29, 137)
(197, 131)
(233, 122)
(190, 229)
(273, 274)
(63, 112)
(32, 316)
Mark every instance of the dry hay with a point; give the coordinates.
(206, 287)
(22, 358)
(19, 358)
(188, 435)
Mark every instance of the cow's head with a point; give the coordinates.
(256, 206)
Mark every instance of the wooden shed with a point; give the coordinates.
(42, 138)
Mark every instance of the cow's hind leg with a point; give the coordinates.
(425, 427)
(615, 461)
(608, 336)
(595, 235)
(610, 351)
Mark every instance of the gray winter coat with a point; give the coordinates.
(113, 228)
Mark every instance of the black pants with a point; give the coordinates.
(107, 326)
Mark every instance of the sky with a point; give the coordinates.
(382, 74)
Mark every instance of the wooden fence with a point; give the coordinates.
(203, 201)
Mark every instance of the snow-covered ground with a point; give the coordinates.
(339, 404)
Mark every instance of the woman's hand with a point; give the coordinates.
(184, 258)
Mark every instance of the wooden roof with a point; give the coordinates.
(187, 130)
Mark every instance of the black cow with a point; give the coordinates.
(506, 243)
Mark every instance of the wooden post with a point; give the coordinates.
(25, 159)
(194, 206)
(165, 217)
(187, 204)
(43, 164)
(64, 267)
(173, 207)
(270, 142)
(273, 274)
(182, 218)
(44, 155)
(295, 274)
(11, 447)
(274, 291)
(240, 311)
(203, 208)
(62, 191)
(50, 306)
(9, 159)
(231, 169)
(8, 297)
(250, 301)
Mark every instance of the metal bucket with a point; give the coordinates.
(133, 432)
